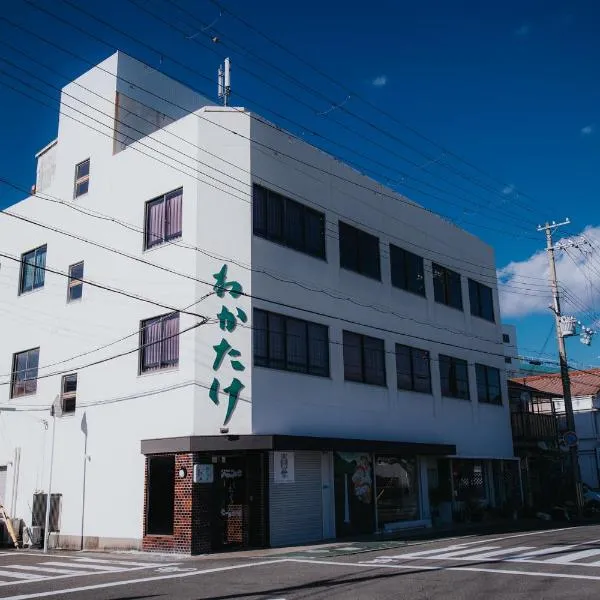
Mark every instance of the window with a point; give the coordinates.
(407, 270)
(481, 300)
(159, 343)
(163, 219)
(68, 393)
(364, 358)
(454, 377)
(24, 373)
(506, 338)
(412, 369)
(289, 344)
(508, 360)
(359, 251)
(75, 289)
(160, 510)
(33, 269)
(283, 220)
(488, 384)
(446, 287)
(82, 178)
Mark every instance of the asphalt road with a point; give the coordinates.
(563, 563)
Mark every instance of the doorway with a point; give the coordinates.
(230, 508)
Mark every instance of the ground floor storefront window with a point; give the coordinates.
(397, 488)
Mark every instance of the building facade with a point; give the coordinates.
(249, 342)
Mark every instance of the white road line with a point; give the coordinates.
(142, 580)
(441, 554)
(572, 557)
(426, 552)
(127, 563)
(15, 575)
(106, 568)
(431, 568)
(493, 554)
(517, 535)
(541, 552)
(81, 573)
(40, 567)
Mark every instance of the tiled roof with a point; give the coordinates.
(583, 383)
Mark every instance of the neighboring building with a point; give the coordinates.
(351, 376)
(585, 393)
(536, 441)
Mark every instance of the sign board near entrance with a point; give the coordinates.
(203, 473)
(283, 465)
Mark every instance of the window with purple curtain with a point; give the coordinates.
(159, 347)
(163, 218)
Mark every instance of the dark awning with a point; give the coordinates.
(229, 443)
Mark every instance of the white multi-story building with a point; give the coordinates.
(250, 342)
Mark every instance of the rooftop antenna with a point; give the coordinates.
(224, 81)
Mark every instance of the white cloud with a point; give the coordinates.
(380, 81)
(507, 190)
(527, 292)
(522, 31)
(587, 130)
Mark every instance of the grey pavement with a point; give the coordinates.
(541, 564)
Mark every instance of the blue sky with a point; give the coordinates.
(511, 87)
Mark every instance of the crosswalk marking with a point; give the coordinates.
(126, 563)
(541, 552)
(495, 553)
(426, 552)
(463, 552)
(573, 556)
(86, 566)
(15, 575)
(41, 567)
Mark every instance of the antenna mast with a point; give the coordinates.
(224, 81)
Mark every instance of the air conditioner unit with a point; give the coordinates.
(32, 536)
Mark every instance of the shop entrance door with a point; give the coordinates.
(230, 507)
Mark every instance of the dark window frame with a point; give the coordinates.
(447, 276)
(284, 238)
(284, 364)
(508, 360)
(453, 381)
(74, 282)
(166, 237)
(484, 370)
(81, 179)
(363, 371)
(164, 364)
(506, 338)
(68, 399)
(401, 274)
(355, 238)
(25, 265)
(13, 379)
(476, 300)
(412, 356)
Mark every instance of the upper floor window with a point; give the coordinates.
(159, 343)
(508, 360)
(412, 369)
(364, 358)
(407, 270)
(163, 218)
(285, 221)
(359, 251)
(24, 373)
(506, 338)
(82, 178)
(454, 377)
(481, 300)
(446, 286)
(33, 269)
(75, 285)
(68, 393)
(290, 344)
(488, 384)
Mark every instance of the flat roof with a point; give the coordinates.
(227, 443)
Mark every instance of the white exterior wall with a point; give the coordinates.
(291, 403)
(120, 407)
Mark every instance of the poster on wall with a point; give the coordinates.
(283, 464)
(203, 473)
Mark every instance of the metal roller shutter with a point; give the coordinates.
(296, 508)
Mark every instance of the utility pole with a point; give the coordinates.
(549, 228)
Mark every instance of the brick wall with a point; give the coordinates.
(181, 540)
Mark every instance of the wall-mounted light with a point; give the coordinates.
(182, 473)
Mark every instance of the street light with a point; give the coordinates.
(55, 409)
